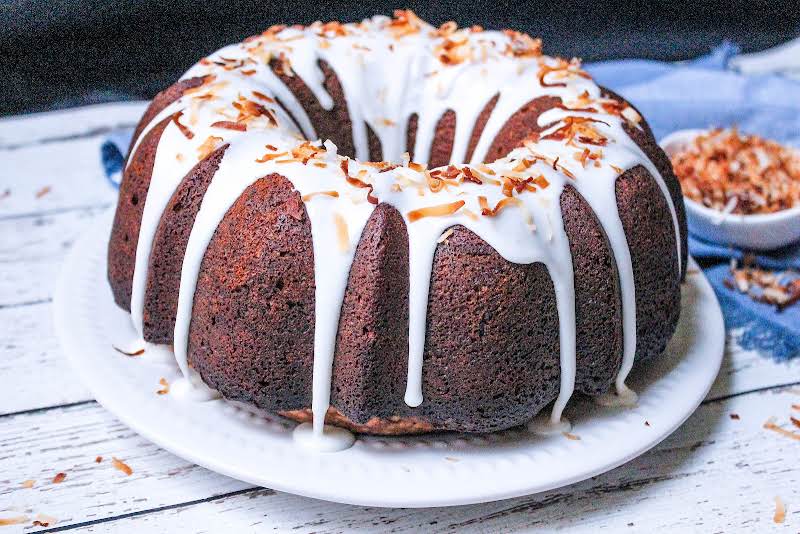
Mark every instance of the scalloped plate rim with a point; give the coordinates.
(413, 465)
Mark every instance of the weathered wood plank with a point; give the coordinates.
(32, 250)
(713, 474)
(36, 446)
(54, 126)
(749, 370)
(53, 177)
(33, 371)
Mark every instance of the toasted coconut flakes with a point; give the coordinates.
(18, 520)
(439, 210)
(735, 416)
(770, 425)
(470, 176)
(306, 152)
(566, 172)
(250, 109)
(579, 129)
(43, 191)
(264, 97)
(28, 484)
(571, 436)
(209, 145)
(309, 196)
(762, 175)
(268, 157)
(42, 520)
(780, 511)
(541, 181)
(405, 22)
(434, 184)
(544, 70)
(138, 352)
(631, 115)
(522, 44)
(582, 157)
(451, 459)
(471, 215)
(796, 407)
(502, 204)
(344, 166)
(164, 386)
(780, 289)
(795, 421)
(98, 459)
(121, 466)
(230, 125)
(618, 170)
(443, 238)
(59, 478)
(342, 237)
(184, 130)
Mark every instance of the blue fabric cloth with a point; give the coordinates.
(672, 96)
(761, 326)
(702, 93)
(112, 154)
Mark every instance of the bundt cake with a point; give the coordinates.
(396, 228)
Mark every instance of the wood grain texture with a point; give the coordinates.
(714, 474)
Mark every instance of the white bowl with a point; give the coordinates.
(765, 231)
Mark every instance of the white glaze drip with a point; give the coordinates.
(545, 426)
(385, 81)
(158, 353)
(625, 398)
(331, 439)
(192, 388)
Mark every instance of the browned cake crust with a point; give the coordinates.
(169, 247)
(651, 239)
(252, 330)
(491, 357)
(133, 192)
(647, 142)
(161, 101)
(128, 217)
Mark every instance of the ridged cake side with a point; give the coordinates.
(492, 347)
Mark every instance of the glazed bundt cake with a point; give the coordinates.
(397, 228)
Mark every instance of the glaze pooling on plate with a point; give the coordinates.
(259, 450)
(391, 70)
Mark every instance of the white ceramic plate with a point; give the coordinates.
(434, 470)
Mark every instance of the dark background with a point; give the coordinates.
(65, 52)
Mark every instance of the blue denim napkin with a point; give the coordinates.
(113, 151)
(702, 93)
(673, 96)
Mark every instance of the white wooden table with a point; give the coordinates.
(721, 471)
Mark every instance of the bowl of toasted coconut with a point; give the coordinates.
(740, 190)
